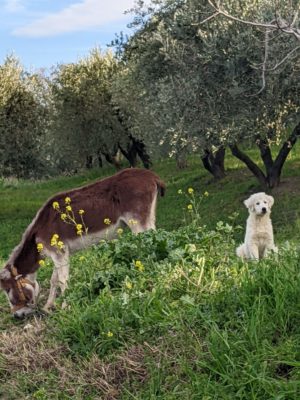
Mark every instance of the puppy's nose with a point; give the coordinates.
(264, 210)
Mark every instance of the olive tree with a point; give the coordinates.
(24, 120)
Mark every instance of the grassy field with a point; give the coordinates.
(188, 321)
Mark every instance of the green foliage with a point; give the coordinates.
(23, 121)
(227, 328)
(84, 117)
(122, 298)
(205, 87)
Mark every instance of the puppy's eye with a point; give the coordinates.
(265, 202)
(257, 204)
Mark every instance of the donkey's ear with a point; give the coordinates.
(5, 274)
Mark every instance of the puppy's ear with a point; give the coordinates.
(270, 200)
(249, 204)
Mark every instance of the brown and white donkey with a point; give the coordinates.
(73, 220)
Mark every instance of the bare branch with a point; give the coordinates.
(279, 24)
(280, 62)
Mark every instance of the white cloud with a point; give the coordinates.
(77, 17)
(13, 5)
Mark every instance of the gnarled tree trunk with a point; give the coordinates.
(214, 163)
(273, 168)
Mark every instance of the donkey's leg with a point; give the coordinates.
(59, 276)
(149, 221)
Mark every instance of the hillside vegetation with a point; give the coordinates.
(171, 314)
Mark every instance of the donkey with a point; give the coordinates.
(73, 220)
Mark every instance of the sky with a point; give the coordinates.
(44, 33)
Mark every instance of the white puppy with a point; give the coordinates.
(259, 232)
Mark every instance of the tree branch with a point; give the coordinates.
(286, 148)
(279, 25)
(250, 164)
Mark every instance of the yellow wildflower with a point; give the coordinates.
(80, 232)
(110, 334)
(79, 227)
(120, 231)
(63, 216)
(80, 212)
(190, 207)
(55, 205)
(132, 222)
(179, 191)
(190, 190)
(139, 265)
(81, 258)
(40, 247)
(54, 238)
(67, 200)
(60, 244)
(128, 285)
(42, 263)
(69, 208)
(206, 194)
(107, 221)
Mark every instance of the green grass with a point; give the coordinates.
(195, 323)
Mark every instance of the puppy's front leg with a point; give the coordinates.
(253, 252)
(270, 247)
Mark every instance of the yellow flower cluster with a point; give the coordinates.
(107, 221)
(41, 263)
(79, 229)
(139, 265)
(190, 207)
(110, 334)
(67, 216)
(63, 216)
(190, 190)
(56, 242)
(128, 285)
(120, 231)
(40, 247)
(55, 205)
(206, 194)
(132, 222)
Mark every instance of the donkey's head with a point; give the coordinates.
(21, 291)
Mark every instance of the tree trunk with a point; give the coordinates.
(112, 159)
(99, 158)
(181, 161)
(257, 172)
(141, 151)
(130, 154)
(214, 163)
(89, 162)
(271, 178)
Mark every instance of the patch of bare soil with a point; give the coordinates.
(26, 352)
(289, 185)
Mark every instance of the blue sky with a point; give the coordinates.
(43, 33)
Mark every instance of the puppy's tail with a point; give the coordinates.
(240, 251)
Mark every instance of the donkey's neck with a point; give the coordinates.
(25, 256)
